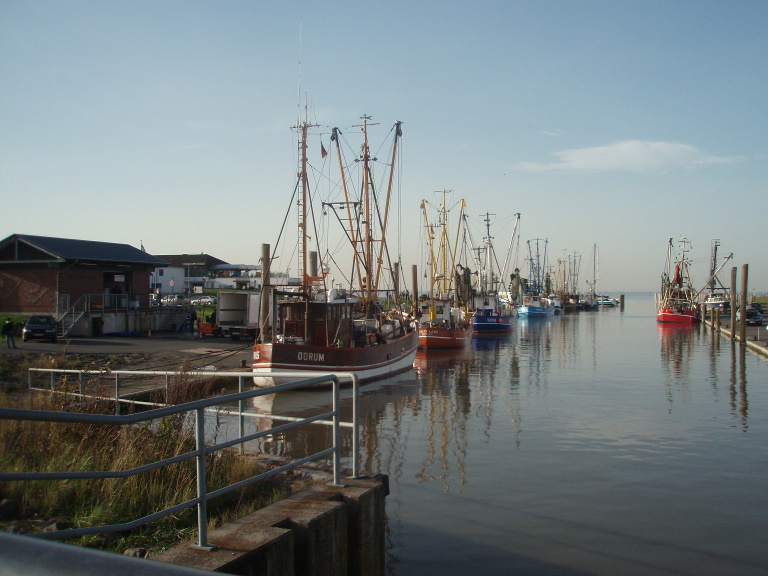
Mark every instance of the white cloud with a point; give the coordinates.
(628, 156)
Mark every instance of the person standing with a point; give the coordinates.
(192, 320)
(8, 333)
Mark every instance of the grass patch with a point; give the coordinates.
(63, 447)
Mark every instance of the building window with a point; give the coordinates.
(160, 272)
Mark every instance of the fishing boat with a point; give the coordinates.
(677, 301)
(489, 314)
(536, 303)
(317, 328)
(715, 293)
(443, 316)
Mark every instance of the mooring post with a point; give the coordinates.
(743, 304)
(266, 290)
(733, 303)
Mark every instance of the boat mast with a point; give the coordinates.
(358, 264)
(380, 260)
(487, 283)
(367, 238)
(304, 184)
(444, 259)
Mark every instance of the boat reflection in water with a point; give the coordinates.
(580, 445)
(444, 396)
(677, 347)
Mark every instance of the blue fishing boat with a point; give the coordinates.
(535, 303)
(489, 313)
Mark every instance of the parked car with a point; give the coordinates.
(203, 301)
(173, 300)
(753, 317)
(39, 328)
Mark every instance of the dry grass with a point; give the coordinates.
(63, 447)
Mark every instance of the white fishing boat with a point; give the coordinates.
(715, 294)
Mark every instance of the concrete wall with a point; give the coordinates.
(323, 531)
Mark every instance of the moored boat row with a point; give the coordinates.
(368, 326)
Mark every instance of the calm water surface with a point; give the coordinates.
(598, 443)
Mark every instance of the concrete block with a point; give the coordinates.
(244, 548)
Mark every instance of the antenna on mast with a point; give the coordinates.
(298, 93)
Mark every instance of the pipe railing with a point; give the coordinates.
(202, 449)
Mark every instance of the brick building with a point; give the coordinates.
(60, 276)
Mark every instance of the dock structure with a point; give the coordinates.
(753, 337)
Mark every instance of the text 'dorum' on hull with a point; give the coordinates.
(368, 362)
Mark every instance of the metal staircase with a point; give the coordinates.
(174, 321)
(67, 321)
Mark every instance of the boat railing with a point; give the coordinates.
(60, 381)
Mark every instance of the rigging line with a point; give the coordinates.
(341, 271)
(383, 142)
(282, 228)
(317, 237)
(400, 208)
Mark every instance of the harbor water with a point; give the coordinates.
(598, 443)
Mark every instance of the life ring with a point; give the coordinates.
(526, 299)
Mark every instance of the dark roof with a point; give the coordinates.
(241, 267)
(184, 260)
(68, 249)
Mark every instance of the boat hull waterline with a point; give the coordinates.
(368, 363)
(536, 311)
(443, 338)
(491, 324)
(670, 316)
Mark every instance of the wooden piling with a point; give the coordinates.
(266, 290)
(733, 303)
(743, 304)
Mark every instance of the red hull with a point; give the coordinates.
(430, 337)
(670, 316)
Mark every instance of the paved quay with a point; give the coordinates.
(199, 352)
(756, 337)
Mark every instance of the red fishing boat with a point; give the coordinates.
(443, 315)
(678, 301)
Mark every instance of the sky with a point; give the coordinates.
(611, 124)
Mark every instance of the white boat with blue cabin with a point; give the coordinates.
(534, 303)
(489, 313)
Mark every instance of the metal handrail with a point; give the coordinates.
(201, 449)
(34, 557)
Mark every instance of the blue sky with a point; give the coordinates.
(621, 124)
